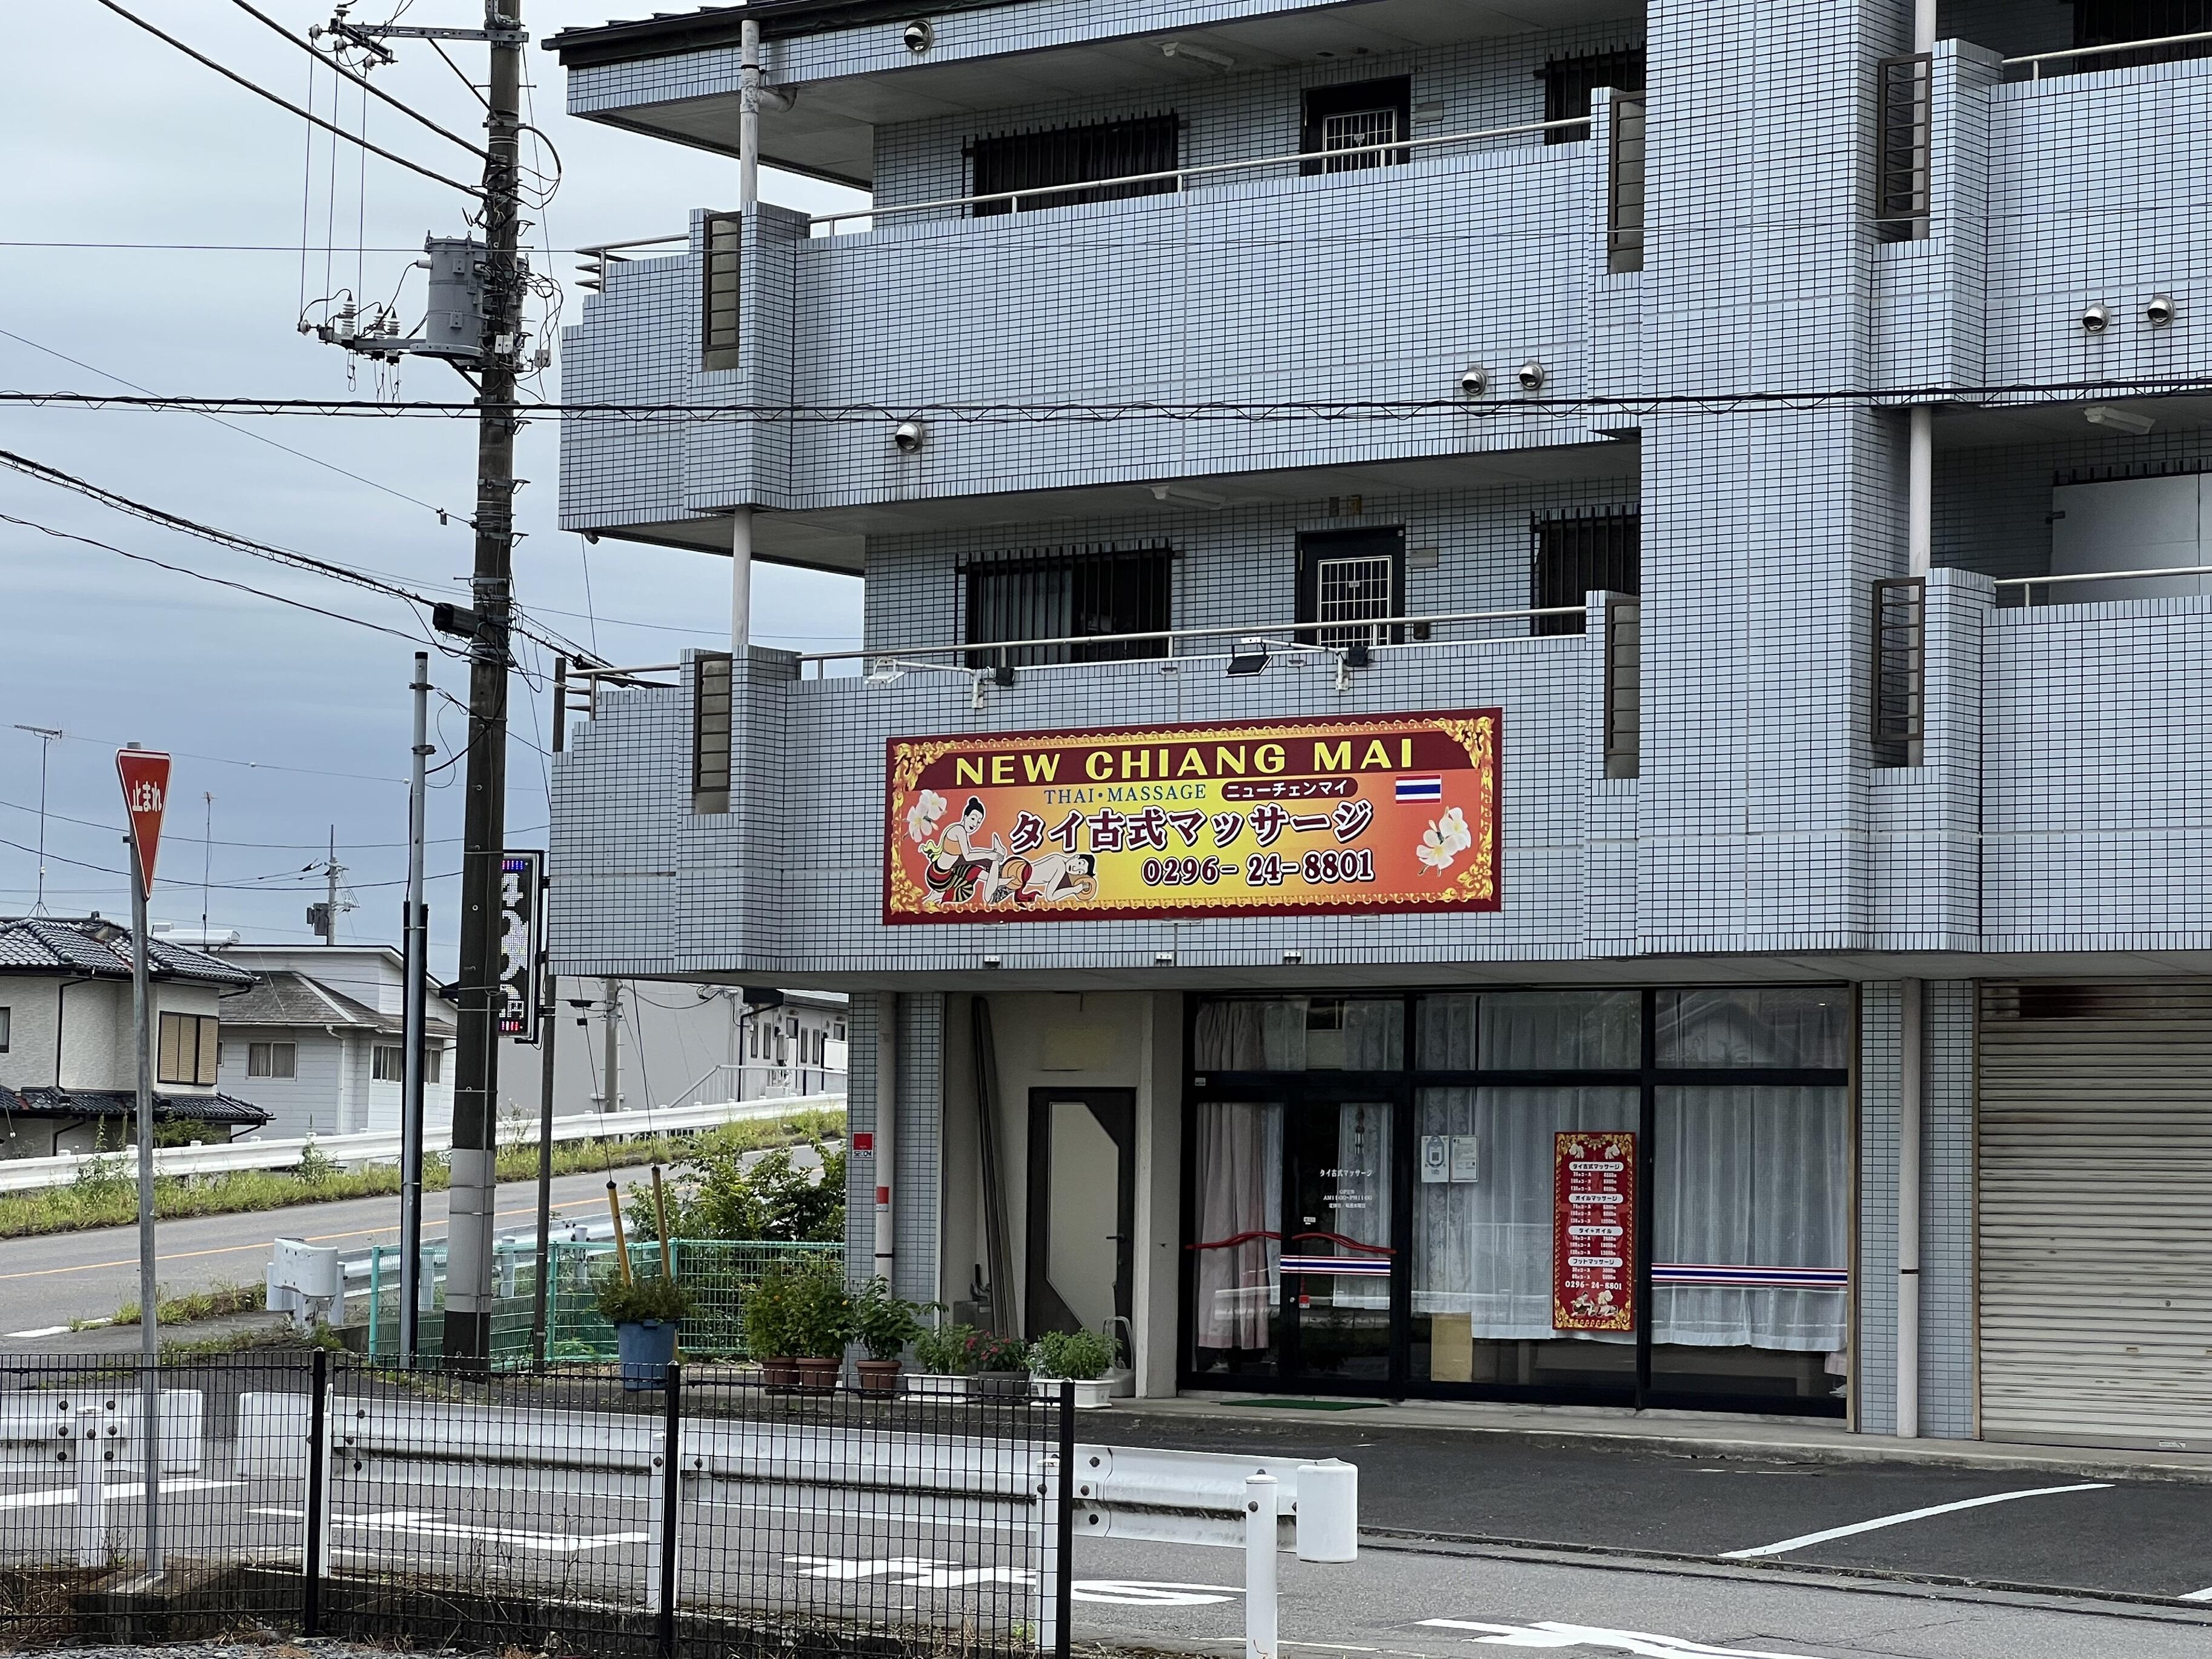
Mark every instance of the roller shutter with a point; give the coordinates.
(2094, 1214)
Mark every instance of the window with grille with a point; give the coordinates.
(1350, 120)
(271, 1059)
(718, 323)
(1903, 145)
(190, 1049)
(2113, 22)
(1624, 217)
(1348, 581)
(1577, 554)
(1067, 593)
(1568, 82)
(710, 732)
(1623, 688)
(1900, 670)
(1037, 162)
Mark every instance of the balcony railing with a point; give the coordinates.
(2025, 586)
(2071, 56)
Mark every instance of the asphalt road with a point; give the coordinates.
(51, 1280)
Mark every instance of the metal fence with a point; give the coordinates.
(557, 1510)
(719, 1273)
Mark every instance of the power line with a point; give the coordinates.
(168, 835)
(361, 81)
(252, 766)
(260, 91)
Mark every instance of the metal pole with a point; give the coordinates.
(538, 1294)
(1064, 1586)
(331, 890)
(671, 1518)
(468, 1298)
(1911, 1111)
(412, 941)
(1260, 1499)
(313, 1554)
(886, 1131)
(149, 1313)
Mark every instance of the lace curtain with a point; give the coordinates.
(1240, 1222)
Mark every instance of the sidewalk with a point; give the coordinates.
(1691, 1433)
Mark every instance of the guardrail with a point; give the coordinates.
(382, 1146)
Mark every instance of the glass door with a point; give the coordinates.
(1339, 1264)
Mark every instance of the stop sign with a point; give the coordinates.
(145, 776)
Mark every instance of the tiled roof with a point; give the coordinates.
(55, 944)
(117, 1102)
(285, 997)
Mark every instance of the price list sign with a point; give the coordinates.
(1594, 1231)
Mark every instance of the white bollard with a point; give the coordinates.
(88, 1447)
(1048, 1556)
(656, 1518)
(1259, 1567)
(1328, 1510)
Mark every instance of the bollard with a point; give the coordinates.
(1259, 1567)
(1048, 1558)
(1328, 1510)
(82, 1429)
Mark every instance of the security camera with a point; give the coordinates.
(2096, 318)
(2160, 312)
(1532, 376)
(920, 35)
(1474, 381)
(908, 436)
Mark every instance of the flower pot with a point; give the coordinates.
(877, 1375)
(647, 1349)
(816, 1374)
(941, 1383)
(1090, 1393)
(999, 1385)
(780, 1373)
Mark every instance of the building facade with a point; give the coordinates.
(1627, 509)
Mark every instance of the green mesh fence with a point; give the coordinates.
(717, 1272)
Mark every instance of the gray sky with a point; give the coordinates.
(112, 137)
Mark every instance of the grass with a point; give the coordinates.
(212, 1303)
(105, 1193)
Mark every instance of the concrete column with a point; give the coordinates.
(748, 54)
(1920, 493)
(741, 602)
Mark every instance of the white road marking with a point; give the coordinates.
(62, 1495)
(1807, 1540)
(423, 1523)
(1156, 1592)
(2198, 1595)
(1549, 1633)
(930, 1572)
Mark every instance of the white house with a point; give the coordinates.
(317, 1039)
(68, 1079)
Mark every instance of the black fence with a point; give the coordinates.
(559, 1511)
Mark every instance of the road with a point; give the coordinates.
(48, 1280)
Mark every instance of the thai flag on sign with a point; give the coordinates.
(1428, 788)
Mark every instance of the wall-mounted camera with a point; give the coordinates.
(920, 35)
(908, 436)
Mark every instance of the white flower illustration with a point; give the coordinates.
(921, 821)
(1444, 840)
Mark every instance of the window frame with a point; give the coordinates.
(7, 1025)
(377, 1051)
(1317, 104)
(169, 1045)
(1599, 571)
(1589, 72)
(266, 1055)
(1317, 547)
(1062, 148)
(989, 620)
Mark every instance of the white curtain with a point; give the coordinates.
(1298, 1034)
(1484, 1248)
(1759, 1178)
(1781, 1025)
(1240, 1190)
(1531, 1031)
(1362, 1192)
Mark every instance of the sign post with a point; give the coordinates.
(145, 778)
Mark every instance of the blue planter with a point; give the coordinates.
(647, 1347)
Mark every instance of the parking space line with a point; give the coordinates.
(1807, 1540)
(2198, 1595)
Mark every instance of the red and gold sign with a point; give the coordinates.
(1594, 1231)
(1395, 813)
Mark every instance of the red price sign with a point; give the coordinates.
(145, 776)
(1594, 1231)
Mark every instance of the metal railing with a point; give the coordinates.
(600, 257)
(2028, 585)
(727, 1080)
(2038, 60)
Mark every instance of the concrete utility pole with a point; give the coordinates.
(415, 940)
(611, 1068)
(469, 1295)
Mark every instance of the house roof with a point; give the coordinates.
(96, 946)
(118, 1103)
(285, 997)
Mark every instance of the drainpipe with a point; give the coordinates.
(1923, 25)
(886, 1127)
(1912, 1107)
(741, 521)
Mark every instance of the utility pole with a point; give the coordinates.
(324, 917)
(611, 1081)
(413, 941)
(476, 1083)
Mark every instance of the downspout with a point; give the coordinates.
(886, 1127)
(1911, 1109)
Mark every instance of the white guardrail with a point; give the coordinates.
(382, 1146)
(1131, 1493)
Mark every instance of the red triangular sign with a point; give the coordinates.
(145, 777)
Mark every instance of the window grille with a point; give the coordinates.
(1568, 82)
(1063, 593)
(1623, 688)
(1353, 590)
(710, 732)
(1349, 116)
(718, 323)
(1903, 144)
(1069, 156)
(1575, 555)
(2114, 23)
(1900, 670)
(1624, 222)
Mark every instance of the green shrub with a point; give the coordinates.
(947, 1350)
(634, 1301)
(1083, 1356)
(1002, 1353)
(884, 1324)
(799, 1311)
(713, 1194)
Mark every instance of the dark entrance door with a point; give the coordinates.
(1082, 1204)
(1340, 1277)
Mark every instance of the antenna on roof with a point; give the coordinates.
(46, 735)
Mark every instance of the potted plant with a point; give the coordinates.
(770, 1337)
(1000, 1368)
(883, 1325)
(1082, 1357)
(946, 1355)
(821, 1322)
(645, 1313)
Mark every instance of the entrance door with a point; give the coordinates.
(1083, 1188)
(1338, 1260)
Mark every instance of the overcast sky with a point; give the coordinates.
(295, 723)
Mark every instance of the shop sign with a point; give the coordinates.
(1594, 1231)
(1325, 817)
